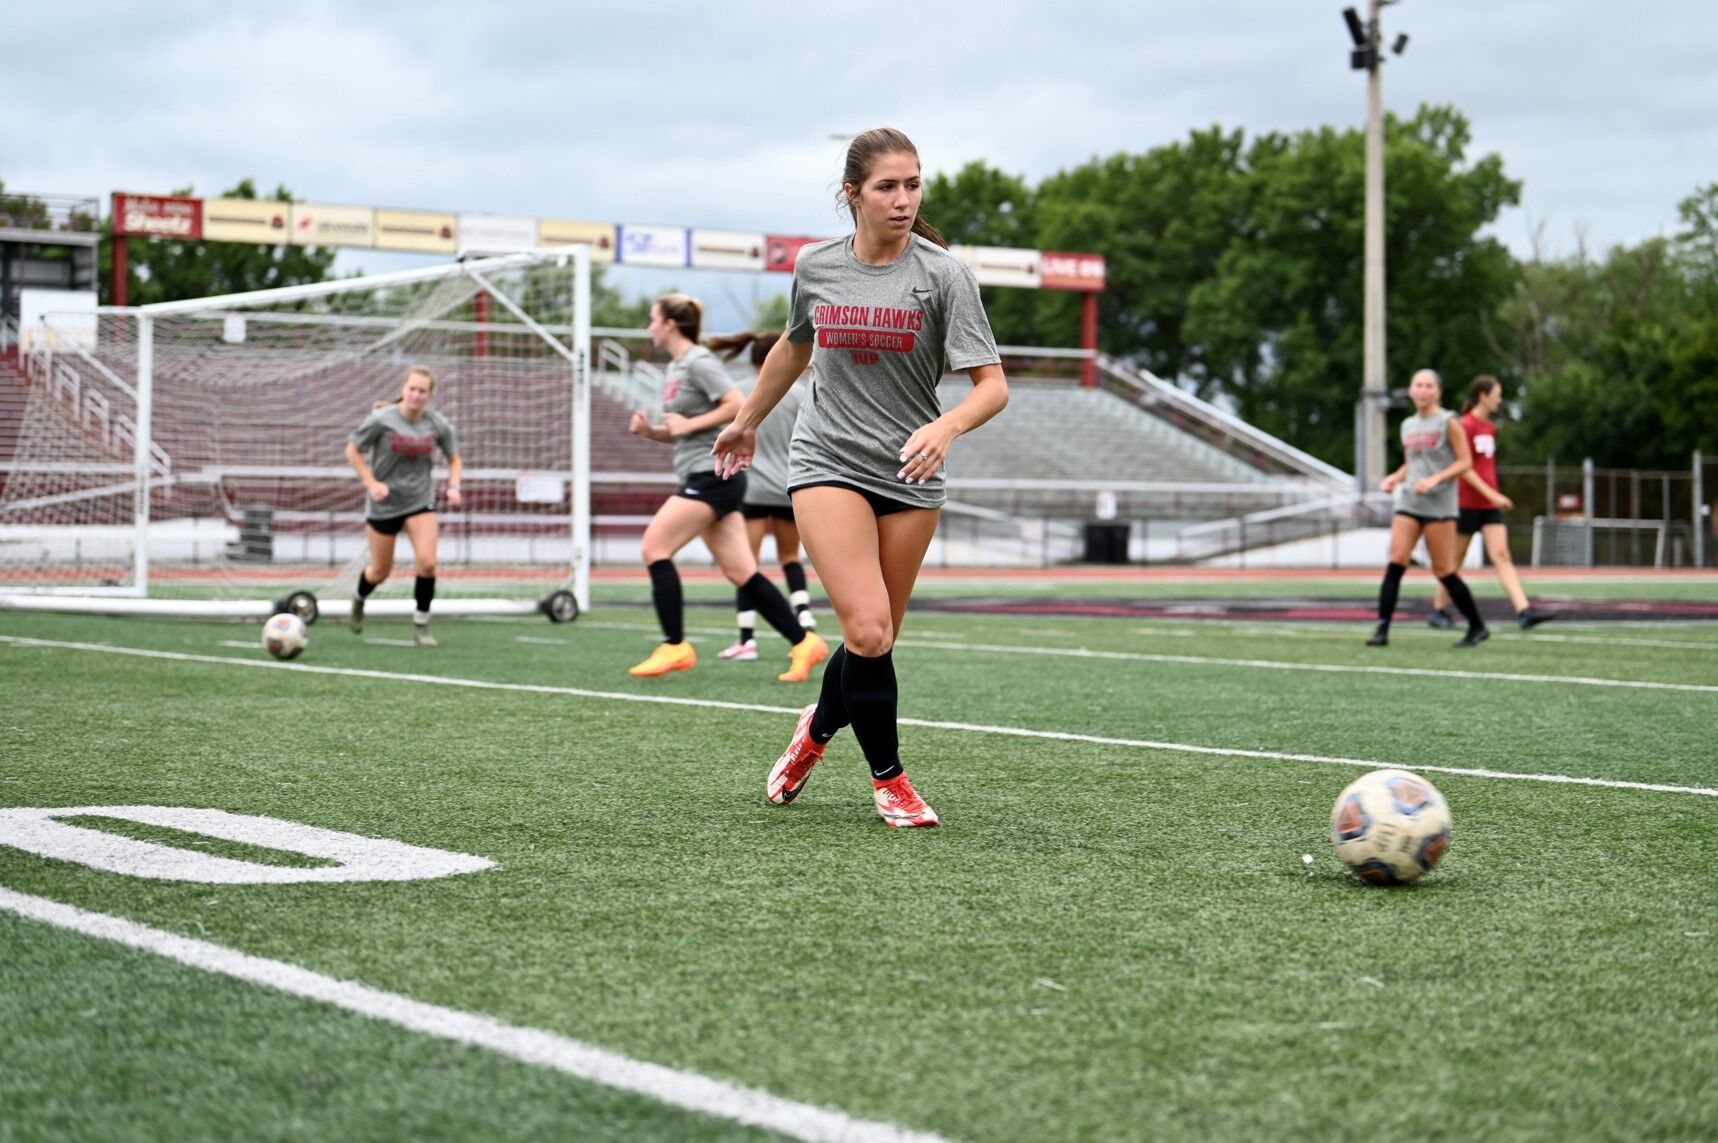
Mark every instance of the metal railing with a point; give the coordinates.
(67, 212)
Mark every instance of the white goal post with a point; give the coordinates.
(188, 456)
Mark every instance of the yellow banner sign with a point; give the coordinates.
(246, 220)
(562, 232)
(422, 230)
(319, 224)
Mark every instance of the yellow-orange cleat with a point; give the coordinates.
(806, 654)
(899, 805)
(788, 775)
(667, 657)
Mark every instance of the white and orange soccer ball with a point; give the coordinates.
(1390, 827)
(285, 636)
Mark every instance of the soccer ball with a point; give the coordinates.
(284, 636)
(1390, 826)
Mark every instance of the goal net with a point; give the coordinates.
(188, 457)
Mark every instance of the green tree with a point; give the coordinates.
(23, 212)
(981, 206)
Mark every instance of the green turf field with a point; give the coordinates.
(1105, 940)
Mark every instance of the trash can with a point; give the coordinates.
(256, 537)
(1106, 542)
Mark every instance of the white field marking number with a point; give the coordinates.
(41, 832)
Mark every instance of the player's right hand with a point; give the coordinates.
(377, 490)
(1502, 502)
(734, 449)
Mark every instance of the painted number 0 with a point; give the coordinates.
(355, 858)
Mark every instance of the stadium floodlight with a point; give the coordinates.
(186, 457)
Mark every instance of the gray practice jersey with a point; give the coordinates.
(882, 338)
(401, 454)
(766, 479)
(692, 386)
(1426, 444)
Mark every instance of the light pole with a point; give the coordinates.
(1368, 55)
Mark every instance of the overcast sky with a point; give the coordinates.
(720, 114)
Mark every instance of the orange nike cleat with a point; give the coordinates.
(667, 657)
(788, 775)
(806, 654)
(899, 805)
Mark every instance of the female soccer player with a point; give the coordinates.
(880, 315)
(698, 397)
(1482, 506)
(767, 506)
(393, 452)
(1437, 453)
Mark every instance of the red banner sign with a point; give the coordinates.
(154, 216)
(781, 251)
(1072, 271)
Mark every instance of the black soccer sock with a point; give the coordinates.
(795, 573)
(1462, 598)
(769, 602)
(868, 688)
(1391, 588)
(665, 594)
(831, 713)
(423, 591)
(365, 587)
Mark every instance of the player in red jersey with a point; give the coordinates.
(1480, 506)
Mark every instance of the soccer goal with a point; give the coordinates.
(187, 457)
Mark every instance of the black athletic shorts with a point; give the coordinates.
(1472, 520)
(1425, 519)
(392, 525)
(723, 496)
(767, 512)
(880, 505)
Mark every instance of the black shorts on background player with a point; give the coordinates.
(1470, 520)
(767, 512)
(723, 496)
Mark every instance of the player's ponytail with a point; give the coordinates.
(734, 344)
(863, 154)
(422, 371)
(1478, 391)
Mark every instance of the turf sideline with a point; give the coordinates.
(929, 724)
(532, 1046)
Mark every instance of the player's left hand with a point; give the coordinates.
(925, 452)
(1424, 485)
(453, 498)
(675, 424)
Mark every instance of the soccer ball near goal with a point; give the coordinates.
(285, 636)
(1390, 827)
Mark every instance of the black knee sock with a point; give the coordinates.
(770, 603)
(423, 590)
(746, 618)
(868, 688)
(1462, 598)
(1391, 588)
(831, 714)
(665, 594)
(365, 587)
(795, 573)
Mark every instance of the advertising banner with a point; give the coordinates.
(246, 220)
(1071, 271)
(1003, 266)
(157, 216)
(599, 236)
(652, 245)
(496, 233)
(319, 224)
(727, 250)
(781, 251)
(424, 230)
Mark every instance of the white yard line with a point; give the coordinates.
(715, 704)
(677, 1088)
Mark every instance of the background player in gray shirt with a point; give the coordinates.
(1435, 452)
(393, 452)
(880, 315)
(698, 397)
(766, 506)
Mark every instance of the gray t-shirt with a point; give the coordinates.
(882, 338)
(766, 479)
(401, 454)
(692, 386)
(1426, 444)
